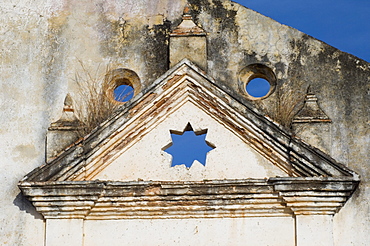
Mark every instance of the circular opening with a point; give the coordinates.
(123, 93)
(257, 81)
(121, 85)
(258, 87)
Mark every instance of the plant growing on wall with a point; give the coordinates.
(287, 103)
(93, 106)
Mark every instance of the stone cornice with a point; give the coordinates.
(202, 199)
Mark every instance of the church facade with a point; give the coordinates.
(84, 166)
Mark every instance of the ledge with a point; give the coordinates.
(274, 197)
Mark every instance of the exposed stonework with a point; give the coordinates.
(275, 197)
(42, 45)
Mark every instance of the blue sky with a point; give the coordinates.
(344, 24)
(188, 147)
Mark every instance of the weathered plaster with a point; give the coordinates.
(42, 43)
(146, 161)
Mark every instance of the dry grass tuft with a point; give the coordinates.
(93, 106)
(286, 106)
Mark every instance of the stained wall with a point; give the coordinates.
(47, 47)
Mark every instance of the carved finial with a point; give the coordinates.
(309, 90)
(68, 103)
(187, 9)
(311, 111)
(188, 40)
(187, 27)
(68, 120)
(62, 133)
(68, 100)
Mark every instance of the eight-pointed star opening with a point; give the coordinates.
(188, 146)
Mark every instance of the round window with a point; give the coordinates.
(258, 87)
(257, 81)
(122, 85)
(123, 93)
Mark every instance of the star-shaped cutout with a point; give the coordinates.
(188, 146)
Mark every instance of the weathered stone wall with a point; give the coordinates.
(43, 46)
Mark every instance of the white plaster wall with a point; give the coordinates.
(231, 159)
(64, 232)
(223, 232)
(352, 223)
(24, 113)
(314, 230)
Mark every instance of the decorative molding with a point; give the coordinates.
(311, 112)
(188, 40)
(65, 187)
(187, 27)
(208, 199)
(68, 121)
(64, 132)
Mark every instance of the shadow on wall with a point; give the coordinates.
(24, 205)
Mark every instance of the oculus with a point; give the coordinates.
(257, 81)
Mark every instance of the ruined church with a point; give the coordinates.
(96, 95)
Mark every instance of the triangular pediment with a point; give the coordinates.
(232, 158)
(251, 151)
(135, 151)
(185, 84)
